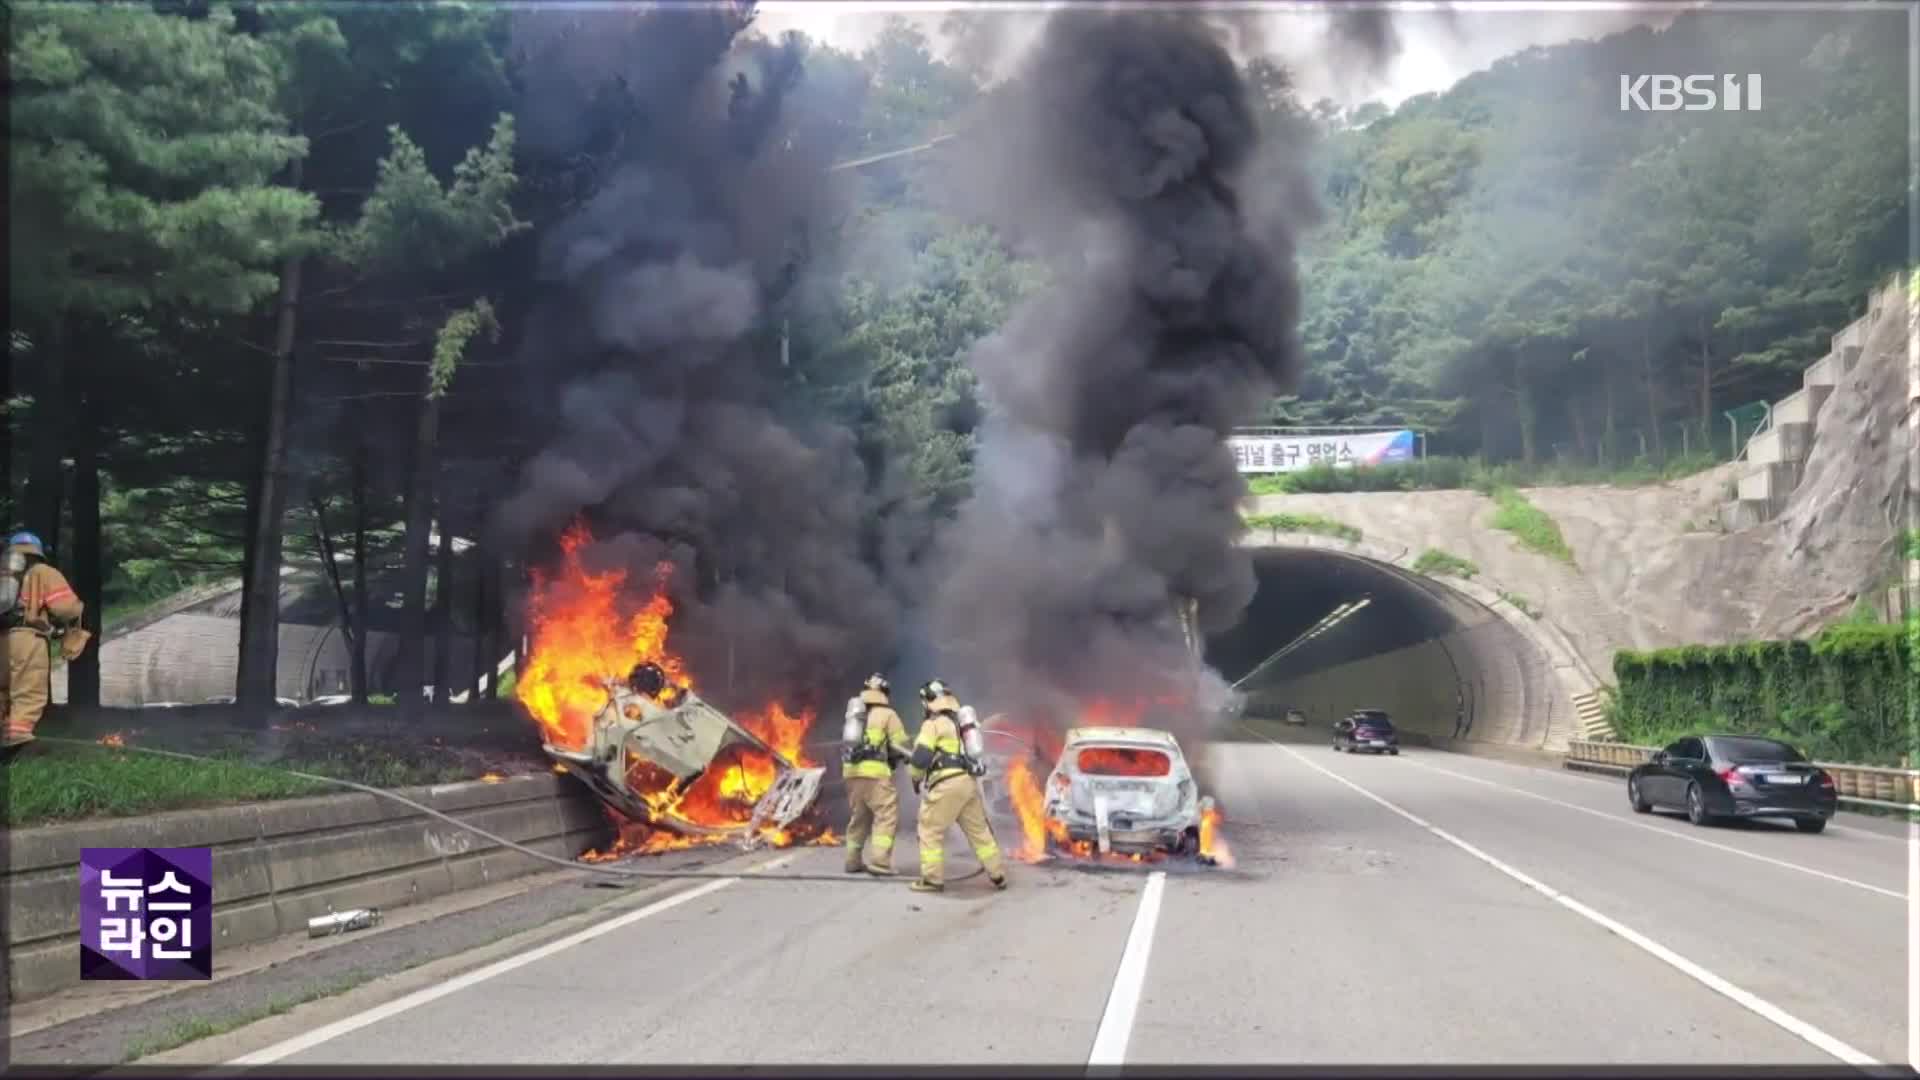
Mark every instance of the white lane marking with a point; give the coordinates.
(1116, 1023)
(1589, 777)
(1664, 831)
(329, 1032)
(1745, 999)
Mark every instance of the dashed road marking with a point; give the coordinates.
(1745, 999)
(1663, 831)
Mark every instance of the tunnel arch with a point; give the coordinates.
(1419, 644)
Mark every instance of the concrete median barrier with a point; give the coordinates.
(277, 864)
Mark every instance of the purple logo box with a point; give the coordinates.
(146, 913)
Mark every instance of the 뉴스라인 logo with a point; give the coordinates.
(146, 913)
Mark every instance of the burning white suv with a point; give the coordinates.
(1126, 790)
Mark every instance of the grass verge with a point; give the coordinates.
(1453, 473)
(54, 783)
(194, 1028)
(1433, 561)
(1304, 523)
(1520, 602)
(1535, 529)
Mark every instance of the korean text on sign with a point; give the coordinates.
(1288, 453)
(146, 913)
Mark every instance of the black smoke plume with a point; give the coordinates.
(1371, 31)
(656, 341)
(1104, 488)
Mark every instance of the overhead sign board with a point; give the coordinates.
(1291, 453)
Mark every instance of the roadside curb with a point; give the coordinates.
(278, 864)
(288, 995)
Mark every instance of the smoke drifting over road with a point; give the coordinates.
(657, 292)
(1103, 484)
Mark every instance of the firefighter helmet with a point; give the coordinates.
(935, 688)
(879, 682)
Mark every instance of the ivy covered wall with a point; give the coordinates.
(1842, 696)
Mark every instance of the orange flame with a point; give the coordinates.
(1212, 844)
(492, 778)
(580, 640)
(1118, 761)
(114, 739)
(1029, 807)
(784, 731)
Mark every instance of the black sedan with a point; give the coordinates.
(1713, 777)
(1368, 730)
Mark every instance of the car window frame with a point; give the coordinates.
(1801, 757)
(1700, 748)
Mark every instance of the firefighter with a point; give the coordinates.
(876, 747)
(40, 607)
(945, 772)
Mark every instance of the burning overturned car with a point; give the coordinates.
(617, 709)
(654, 743)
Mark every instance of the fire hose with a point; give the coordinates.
(597, 868)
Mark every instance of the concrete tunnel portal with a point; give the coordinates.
(1331, 630)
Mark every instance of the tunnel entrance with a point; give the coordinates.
(1331, 631)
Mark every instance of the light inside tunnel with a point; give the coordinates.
(1436, 659)
(1332, 619)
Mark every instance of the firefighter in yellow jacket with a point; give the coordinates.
(877, 746)
(946, 773)
(39, 607)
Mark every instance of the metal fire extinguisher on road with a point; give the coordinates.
(340, 922)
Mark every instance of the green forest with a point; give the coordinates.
(272, 265)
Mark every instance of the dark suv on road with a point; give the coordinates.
(1366, 729)
(1735, 776)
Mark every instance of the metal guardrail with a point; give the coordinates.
(1870, 784)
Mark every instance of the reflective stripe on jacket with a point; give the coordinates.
(939, 738)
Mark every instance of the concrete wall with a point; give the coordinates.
(1508, 688)
(278, 864)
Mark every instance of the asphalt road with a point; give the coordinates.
(1425, 909)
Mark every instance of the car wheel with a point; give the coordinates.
(1336, 746)
(1395, 751)
(1697, 806)
(1639, 802)
(1811, 825)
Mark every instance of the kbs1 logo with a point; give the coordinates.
(1691, 93)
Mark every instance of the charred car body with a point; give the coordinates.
(1124, 789)
(654, 742)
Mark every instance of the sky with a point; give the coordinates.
(1437, 48)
